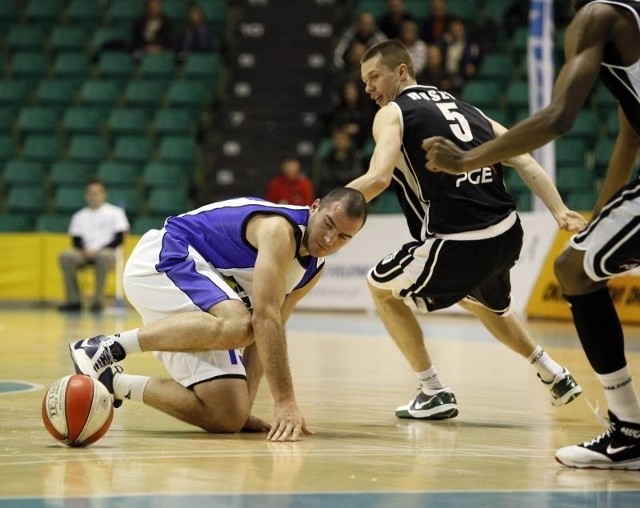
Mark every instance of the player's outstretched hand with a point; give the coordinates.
(288, 423)
(255, 424)
(442, 155)
(569, 220)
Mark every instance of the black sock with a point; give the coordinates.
(599, 330)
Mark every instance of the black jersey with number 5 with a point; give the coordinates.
(438, 203)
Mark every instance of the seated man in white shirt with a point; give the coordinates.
(96, 230)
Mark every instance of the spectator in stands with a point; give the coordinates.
(409, 35)
(461, 54)
(391, 21)
(363, 31)
(353, 112)
(197, 36)
(436, 24)
(434, 72)
(96, 230)
(153, 32)
(340, 165)
(291, 186)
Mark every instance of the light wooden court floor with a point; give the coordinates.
(349, 378)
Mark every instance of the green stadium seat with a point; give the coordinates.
(496, 67)
(9, 14)
(161, 66)
(570, 151)
(581, 200)
(167, 201)
(70, 174)
(180, 150)
(129, 199)
(67, 38)
(43, 148)
(119, 174)
(517, 96)
(15, 222)
(71, 64)
(21, 172)
(124, 11)
(145, 223)
(574, 178)
(53, 222)
(603, 100)
(144, 94)
(519, 42)
(82, 120)
(513, 182)
(216, 13)
(375, 7)
(26, 199)
(100, 93)
(131, 148)
(126, 121)
(14, 93)
(172, 121)
(462, 9)
(586, 125)
(203, 66)
(88, 148)
(497, 115)
(187, 94)
(58, 93)
(36, 120)
(105, 38)
(483, 94)
(7, 148)
(162, 175)
(175, 11)
(29, 64)
(68, 200)
(523, 200)
(42, 12)
(84, 13)
(602, 154)
(25, 37)
(387, 202)
(115, 65)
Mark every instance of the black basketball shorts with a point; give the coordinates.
(444, 271)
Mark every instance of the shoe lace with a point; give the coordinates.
(602, 419)
(598, 414)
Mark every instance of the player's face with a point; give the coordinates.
(329, 228)
(381, 83)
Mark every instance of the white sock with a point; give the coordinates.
(128, 340)
(429, 379)
(621, 394)
(130, 387)
(546, 366)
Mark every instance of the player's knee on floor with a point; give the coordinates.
(226, 420)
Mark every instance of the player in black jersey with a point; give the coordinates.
(603, 39)
(466, 232)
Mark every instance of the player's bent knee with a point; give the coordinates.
(225, 405)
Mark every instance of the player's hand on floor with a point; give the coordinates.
(255, 424)
(288, 423)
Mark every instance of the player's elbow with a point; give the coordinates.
(559, 121)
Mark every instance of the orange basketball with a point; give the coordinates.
(77, 410)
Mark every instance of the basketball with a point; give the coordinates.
(77, 410)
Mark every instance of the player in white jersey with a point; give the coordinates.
(465, 230)
(212, 281)
(603, 40)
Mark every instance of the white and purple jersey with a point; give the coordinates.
(217, 232)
